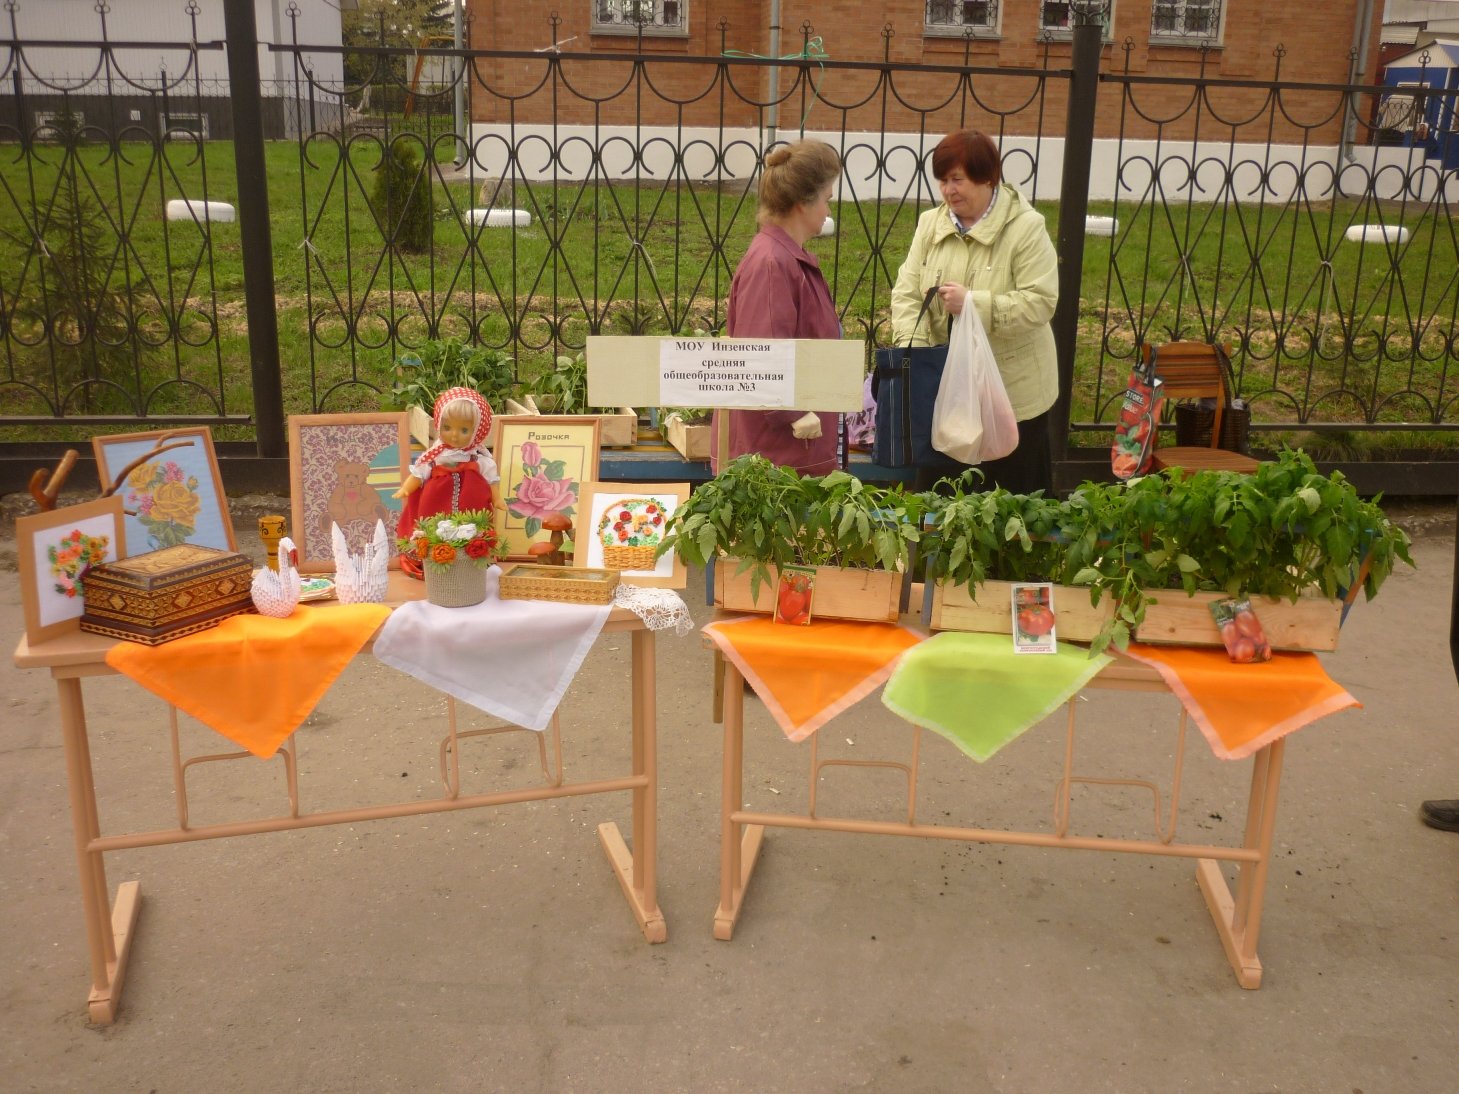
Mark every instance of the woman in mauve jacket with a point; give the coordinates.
(778, 292)
(987, 237)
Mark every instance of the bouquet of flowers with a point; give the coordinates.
(446, 538)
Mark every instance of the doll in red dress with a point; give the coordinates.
(455, 473)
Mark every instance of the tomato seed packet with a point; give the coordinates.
(1241, 632)
(1135, 431)
(793, 595)
(1033, 618)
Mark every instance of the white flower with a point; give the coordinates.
(446, 529)
(464, 532)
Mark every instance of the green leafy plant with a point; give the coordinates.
(770, 517)
(564, 388)
(439, 365)
(402, 200)
(995, 535)
(1280, 532)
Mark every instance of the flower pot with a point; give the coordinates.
(955, 609)
(459, 585)
(840, 592)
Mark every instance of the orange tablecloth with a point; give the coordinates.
(1242, 708)
(252, 678)
(808, 675)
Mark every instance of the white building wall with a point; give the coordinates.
(168, 21)
(1271, 173)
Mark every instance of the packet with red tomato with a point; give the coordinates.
(1033, 618)
(793, 594)
(1241, 631)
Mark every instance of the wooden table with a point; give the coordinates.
(1237, 916)
(110, 927)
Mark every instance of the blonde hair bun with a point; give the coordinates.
(778, 156)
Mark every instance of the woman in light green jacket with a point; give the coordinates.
(988, 238)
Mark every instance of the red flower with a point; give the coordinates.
(478, 548)
(624, 515)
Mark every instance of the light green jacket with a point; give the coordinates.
(1009, 263)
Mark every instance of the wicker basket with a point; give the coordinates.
(1193, 422)
(459, 585)
(629, 558)
(570, 585)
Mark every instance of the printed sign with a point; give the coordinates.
(726, 372)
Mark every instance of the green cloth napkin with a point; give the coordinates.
(978, 693)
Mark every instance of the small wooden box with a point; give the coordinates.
(568, 584)
(162, 595)
(1172, 617)
(1075, 619)
(690, 440)
(840, 592)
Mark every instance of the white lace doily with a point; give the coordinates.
(660, 609)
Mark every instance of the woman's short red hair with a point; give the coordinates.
(973, 152)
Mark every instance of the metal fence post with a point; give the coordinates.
(1073, 205)
(253, 218)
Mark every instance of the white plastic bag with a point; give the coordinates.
(972, 420)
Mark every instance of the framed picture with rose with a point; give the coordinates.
(622, 526)
(54, 551)
(544, 462)
(344, 469)
(169, 485)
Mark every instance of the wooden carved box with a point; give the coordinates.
(162, 595)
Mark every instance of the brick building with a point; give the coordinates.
(1233, 39)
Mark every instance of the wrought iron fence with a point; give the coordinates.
(89, 331)
(633, 181)
(1332, 273)
(625, 181)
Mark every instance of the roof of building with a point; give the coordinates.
(1442, 53)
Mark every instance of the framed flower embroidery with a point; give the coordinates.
(543, 462)
(55, 550)
(169, 485)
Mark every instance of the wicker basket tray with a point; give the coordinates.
(630, 558)
(571, 585)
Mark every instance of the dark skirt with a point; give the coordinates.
(1027, 468)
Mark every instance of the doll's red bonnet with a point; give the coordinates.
(483, 411)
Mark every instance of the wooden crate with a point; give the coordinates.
(839, 593)
(691, 441)
(1075, 619)
(1171, 617)
(618, 430)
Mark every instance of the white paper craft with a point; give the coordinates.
(276, 592)
(361, 578)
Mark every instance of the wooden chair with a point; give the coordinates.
(1194, 370)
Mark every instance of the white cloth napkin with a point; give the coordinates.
(511, 658)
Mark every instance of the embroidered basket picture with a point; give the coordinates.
(631, 532)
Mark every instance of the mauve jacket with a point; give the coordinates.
(778, 292)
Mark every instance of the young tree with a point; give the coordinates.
(402, 202)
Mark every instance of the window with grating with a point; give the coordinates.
(1185, 20)
(653, 16)
(957, 17)
(1057, 17)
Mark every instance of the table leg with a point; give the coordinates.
(1238, 919)
(109, 930)
(739, 844)
(637, 870)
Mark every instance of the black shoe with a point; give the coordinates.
(1440, 814)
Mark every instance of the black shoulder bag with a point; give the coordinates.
(904, 384)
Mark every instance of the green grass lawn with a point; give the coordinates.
(657, 258)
